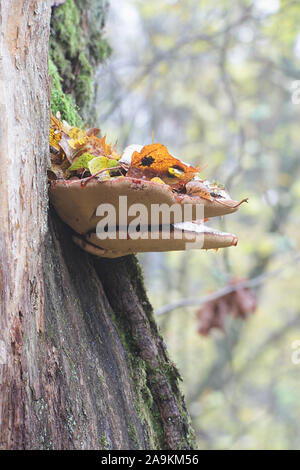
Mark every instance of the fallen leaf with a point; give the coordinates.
(158, 180)
(93, 131)
(100, 163)
(155, 161)
(197, 188)
(82, 162)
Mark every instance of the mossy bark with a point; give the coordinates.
(76, 47)
(106, 361)
(82, 363)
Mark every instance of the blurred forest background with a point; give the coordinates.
(217, 83)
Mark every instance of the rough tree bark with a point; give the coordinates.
(82, 364)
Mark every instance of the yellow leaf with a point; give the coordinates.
(55, 136)
(98, 164)
(158, 180)
(77, 143)
(76, 133)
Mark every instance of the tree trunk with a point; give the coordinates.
(81, 361)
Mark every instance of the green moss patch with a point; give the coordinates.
(76, 47)
(61, 102)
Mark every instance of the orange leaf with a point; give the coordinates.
(98, 146)
(155, 161)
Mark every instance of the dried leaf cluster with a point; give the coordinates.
(80, 153)
(77, 153)
(241, 302)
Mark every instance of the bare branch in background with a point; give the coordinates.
(251, 283)
(172, 52)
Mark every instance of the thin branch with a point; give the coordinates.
(164, 55)
(250, 283)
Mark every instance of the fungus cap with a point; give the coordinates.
(77, 203)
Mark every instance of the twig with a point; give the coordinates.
(85, 181)
(254, 282)
(162, 56)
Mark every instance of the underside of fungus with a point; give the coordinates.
(87, 174)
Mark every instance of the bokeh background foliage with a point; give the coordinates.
(214, 81)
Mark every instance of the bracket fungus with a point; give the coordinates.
(151, 200)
